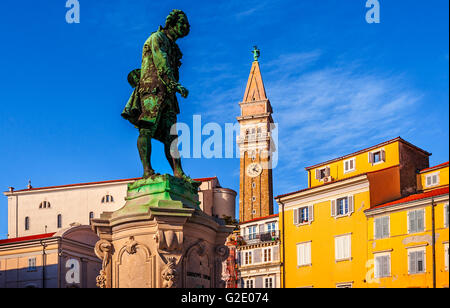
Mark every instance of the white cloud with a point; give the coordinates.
(333, 111)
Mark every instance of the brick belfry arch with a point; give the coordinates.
(256, 187)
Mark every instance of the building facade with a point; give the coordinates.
(327, 231)
(401, 249)
(65, 259)
(258, 253)
(45, 210)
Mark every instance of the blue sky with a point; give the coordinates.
(336, 83)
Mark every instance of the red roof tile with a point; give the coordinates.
(428, 194)
(260, 218)
(93, 183)
(26, 238)
(435, 167)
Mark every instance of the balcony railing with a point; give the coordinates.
(270, 236)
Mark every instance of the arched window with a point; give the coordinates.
(44, 205)
(27, 223)
(59, 221)
(107, 199)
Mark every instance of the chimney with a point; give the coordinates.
(29, 184)
(11, 189)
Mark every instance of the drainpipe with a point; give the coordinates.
(44, 260)
(433, 224)
(283, 245)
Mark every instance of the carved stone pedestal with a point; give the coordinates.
(161, 239)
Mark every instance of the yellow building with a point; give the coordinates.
(401, 249)
(324, 228)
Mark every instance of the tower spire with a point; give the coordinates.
(255, 90)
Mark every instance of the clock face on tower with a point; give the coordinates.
(254, 170)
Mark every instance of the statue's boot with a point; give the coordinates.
(145, 151)
(175, 163)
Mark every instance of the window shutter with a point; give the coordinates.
(317, 174)
(385, 224)
(446, 214)
(377, 267)
(257, 255)
(346, 165)
(347, 249)
(428, 179)
(308, 253)
(327, 171)
(261, 229)
(420, 220)
(333, 208)
(377, 228)
(276, 254)
(296, 213)
(351, 204)
(238, 261)
(311, 212)
(388, 265)
(370, 157)
(412, 222)
(383, 155)
(299, 255)
(351, 164)
(420, 258)
(412, 262)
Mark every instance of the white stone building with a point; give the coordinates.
(44, 210)
(258, 253)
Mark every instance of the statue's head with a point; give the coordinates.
(177, 23)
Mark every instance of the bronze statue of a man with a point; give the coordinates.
(153, 106)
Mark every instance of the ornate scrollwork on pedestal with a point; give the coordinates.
(222, 272)
(170, 274)
(130, 246)
(103, 250)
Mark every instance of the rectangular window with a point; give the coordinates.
(381, 227)
(267, 254)
(268, 282)
(382, 266)
(32, 264)
(342, 206)
(349, 165)
(416, 221)
(377, 157)
(416, 261)
(343, 247)
(322, 173)
(432, 179)
(251, 232)
(249, 284)
(248, 258)
(271, 227)
(303, 215)
(304, 254)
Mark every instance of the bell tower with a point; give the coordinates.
(255, 146)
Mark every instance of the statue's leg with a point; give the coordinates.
(173, 156)
(145, 151)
